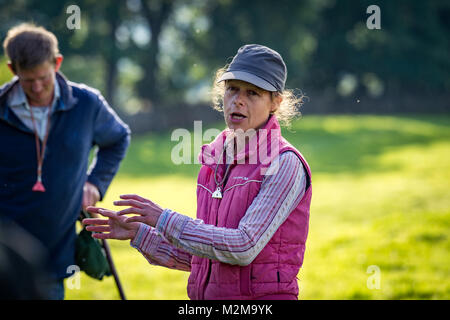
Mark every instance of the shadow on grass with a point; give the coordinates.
(331, 144)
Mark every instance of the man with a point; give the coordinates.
(48, 126)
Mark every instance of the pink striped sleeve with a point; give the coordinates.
(279, 195)
(159, 251)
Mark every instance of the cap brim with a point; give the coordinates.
(247, 77)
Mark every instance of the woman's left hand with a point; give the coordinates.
(146, 211)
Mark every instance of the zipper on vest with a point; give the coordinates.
(278, 276)
(205, 281)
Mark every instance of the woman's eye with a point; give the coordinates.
(252, 93)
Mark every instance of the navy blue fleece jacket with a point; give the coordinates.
(81, 119)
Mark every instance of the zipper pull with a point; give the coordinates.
(217, 194)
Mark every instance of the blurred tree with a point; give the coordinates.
(96, 43)
(285, 25)
(408, 54)
(156, 14)
(160, 52)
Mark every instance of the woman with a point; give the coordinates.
(253, 197)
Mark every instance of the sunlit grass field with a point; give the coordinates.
(380, 198)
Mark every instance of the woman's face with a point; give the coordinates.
(246, 106)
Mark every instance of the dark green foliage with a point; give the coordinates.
(322, 42)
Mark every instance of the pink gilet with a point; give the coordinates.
(273, 273)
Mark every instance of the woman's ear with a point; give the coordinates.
(277, 98)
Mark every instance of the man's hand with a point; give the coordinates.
(91, 195)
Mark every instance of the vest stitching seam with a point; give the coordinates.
(236, 185)
(198, 184)
(241, 184)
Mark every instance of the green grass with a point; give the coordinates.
(380, 197)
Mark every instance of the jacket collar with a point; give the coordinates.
(66, 93)
(17, 97)
(67, 100)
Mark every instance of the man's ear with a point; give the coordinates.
(59, 59)
(10, 66)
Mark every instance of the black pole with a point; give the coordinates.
(85, 214)
(113, 269)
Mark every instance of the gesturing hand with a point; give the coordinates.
(115, 225)
(147, 211)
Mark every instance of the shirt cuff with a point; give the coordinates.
(171, 224)
(147, 240)
(138, 238)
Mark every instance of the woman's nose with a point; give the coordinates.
(239, 97)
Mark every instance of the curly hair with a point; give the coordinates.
(288, 110)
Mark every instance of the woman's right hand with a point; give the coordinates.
(115, 225)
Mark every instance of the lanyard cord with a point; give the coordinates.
(40, 155)
(218, 194)
(226, 171)
(218, 184)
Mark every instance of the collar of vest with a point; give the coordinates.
(262, 147)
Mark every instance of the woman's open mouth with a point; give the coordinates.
(237, 117)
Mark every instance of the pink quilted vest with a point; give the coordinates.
(273, 273)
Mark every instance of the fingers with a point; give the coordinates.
(135, 219)
(94, 221)
(108, 213)
(130, 211)
(92, 209)
(102, 236)
(131, 203)
(98, 228)
(97, 225)
(134, 197)
(104, 212)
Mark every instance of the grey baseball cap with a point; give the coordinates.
(258, 65)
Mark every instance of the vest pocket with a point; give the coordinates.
(245, 279)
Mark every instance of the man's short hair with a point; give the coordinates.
(28, 46)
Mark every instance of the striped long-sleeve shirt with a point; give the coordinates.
(166, 245)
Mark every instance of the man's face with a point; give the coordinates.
(38, 83)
